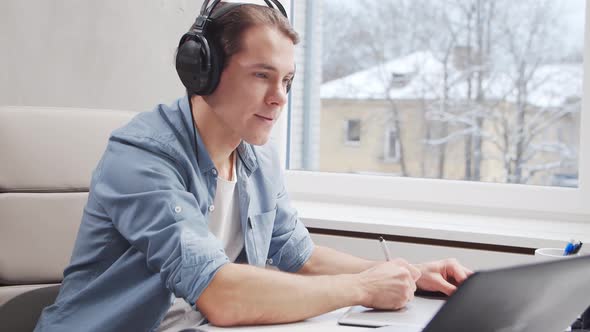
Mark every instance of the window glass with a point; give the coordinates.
(477, 90)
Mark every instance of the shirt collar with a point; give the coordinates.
(246, 154)
(245, 150)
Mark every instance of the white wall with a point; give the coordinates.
(103, 54)
(96, 54)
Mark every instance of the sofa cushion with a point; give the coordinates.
(38, 234)
(53, 149)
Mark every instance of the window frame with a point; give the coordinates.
(495, 199)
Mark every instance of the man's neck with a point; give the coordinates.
(218, 139)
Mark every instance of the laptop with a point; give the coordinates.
(538, 297)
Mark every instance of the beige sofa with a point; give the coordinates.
(46, 159)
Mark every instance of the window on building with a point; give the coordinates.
(353, 132)
(391, 148)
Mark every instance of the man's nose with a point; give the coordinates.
(278, 96)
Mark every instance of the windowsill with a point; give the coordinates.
(518, 232)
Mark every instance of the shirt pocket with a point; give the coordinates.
(261, 226)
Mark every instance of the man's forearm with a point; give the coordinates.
(326, 261)
(245, 295)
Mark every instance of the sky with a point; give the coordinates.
(574, 12)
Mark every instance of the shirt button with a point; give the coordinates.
(177, 209)
(269, 261)
(211, 208)
(214, 171)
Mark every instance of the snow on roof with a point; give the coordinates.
(423, 73)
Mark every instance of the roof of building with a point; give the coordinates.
(420, 75)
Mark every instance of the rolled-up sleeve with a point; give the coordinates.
(140, 186)
(290, 246)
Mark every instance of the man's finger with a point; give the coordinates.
(457, 272)
(444, 286)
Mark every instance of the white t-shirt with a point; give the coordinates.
(224, 221)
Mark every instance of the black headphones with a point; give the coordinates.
(199, 61)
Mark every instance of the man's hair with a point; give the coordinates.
(227, 30)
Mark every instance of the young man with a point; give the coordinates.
(187, 194)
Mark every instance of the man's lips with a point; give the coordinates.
(264, 117)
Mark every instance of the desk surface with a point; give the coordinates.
(325, 323)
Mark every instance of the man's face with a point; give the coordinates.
(252, 89)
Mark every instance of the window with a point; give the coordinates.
(391, 148)
(353, 132)
(476, 97)
(487, 94)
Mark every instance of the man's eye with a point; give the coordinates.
(261, 75)
(286, 81)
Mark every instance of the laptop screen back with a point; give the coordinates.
(538, 297)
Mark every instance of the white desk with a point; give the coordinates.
(323, 323)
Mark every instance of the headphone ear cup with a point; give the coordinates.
(217, 63)
(193, 63)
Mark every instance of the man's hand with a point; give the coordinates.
(442, 276)
(389, 285)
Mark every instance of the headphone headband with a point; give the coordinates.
(269, 3)
(207, 14)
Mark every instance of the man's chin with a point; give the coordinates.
(261, 140)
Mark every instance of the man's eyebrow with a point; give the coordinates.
(269, 67)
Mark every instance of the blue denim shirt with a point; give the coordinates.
(144, 239)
